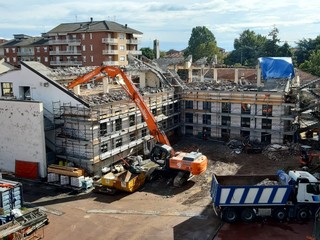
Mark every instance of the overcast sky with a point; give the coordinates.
(170, 22)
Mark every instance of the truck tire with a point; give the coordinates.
(229, 215)
(303, 214)
(248, 215)
(280, 214)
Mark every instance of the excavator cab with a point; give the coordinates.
(161, 154)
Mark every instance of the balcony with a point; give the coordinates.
(111, 63)
(110, 52)
(25, 53)
(70, 42)
(66, 63)
(110, 40)
(135, 52)
(132, 41)
(64, 53)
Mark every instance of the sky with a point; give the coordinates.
(170, 22)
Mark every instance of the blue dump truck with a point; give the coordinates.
(283, 196)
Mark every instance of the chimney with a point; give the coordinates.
(91, 19)
(126, 25)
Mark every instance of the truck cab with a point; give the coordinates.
(307, 186)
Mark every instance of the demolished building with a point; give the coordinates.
(96, 124)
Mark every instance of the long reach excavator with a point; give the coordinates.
(182, 164)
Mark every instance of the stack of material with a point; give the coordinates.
(76, 181)
(64, 180)
(10, 196)
(64, 170)
(53, 177)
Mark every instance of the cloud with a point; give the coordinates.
(168, 21)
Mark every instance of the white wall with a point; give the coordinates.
(22, 134)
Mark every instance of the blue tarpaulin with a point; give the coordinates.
(276, 67)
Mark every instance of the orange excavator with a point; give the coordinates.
(183, 164)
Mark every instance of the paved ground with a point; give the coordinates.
(159, 211)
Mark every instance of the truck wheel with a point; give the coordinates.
(248, 215)
(280, 214)
(303, 214)
(229, 215)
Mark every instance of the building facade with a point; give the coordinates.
(75, 44)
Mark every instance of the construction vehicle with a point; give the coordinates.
(307, 156)
(283, 196)
(182, 164)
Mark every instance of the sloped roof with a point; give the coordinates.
(93, 26)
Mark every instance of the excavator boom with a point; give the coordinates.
(133, 93)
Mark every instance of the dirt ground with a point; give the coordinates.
(157, 210)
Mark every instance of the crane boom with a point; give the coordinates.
(132, 92)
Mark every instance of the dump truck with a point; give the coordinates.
(283, 196)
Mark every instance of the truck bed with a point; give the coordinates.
(245, 191)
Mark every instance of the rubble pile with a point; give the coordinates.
(220, 86)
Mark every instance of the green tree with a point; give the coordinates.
(305, 48)
(147, 52)
(202, 43)
(246, 49)
(313, 64)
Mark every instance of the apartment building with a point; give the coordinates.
(77, 44)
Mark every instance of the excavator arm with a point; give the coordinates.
(132, 92)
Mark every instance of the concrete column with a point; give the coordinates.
(142, 82)
(76, 89)
(236, 76)
(190, 75)
(105, 83)
(215, 75)
(258, 76)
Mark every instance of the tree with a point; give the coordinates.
(202, 43)
(147, 52)
(313, 64)
(246, 49)
(305, 48)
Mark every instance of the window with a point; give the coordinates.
(84, 58)
(225, 121)
(38, 49)
(46, 59)
(122, 58)
(142, 119)
(225, 133)
(91, 58)
(14, 59)
(121, 36)
(189, 104)
(189, 118)
(90, 35)
(245, 108)
(45, 49)
(91, 47)
(207, 106)
(7, 89)
(83, 48)
(13, 50)
(266, 110)
(226, 107)
(154, 112)
(7, 50)
(144, 132)
(132, 137)
(83, 36)
(245, 122)
(118, 124)
(206, 119)
(104, 147)
(103, 128)
(313, 189)
(266, 124)
(38, 59)
(132, 120)
(119, 142)
(122, 48)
